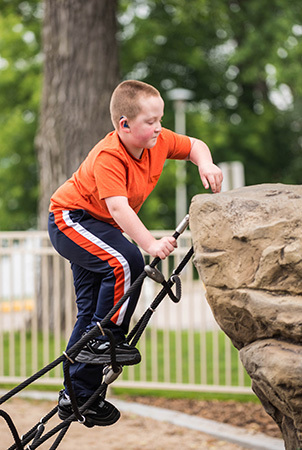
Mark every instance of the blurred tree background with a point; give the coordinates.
(20, 91)
(242, 61)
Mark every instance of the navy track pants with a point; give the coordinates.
(104, 265)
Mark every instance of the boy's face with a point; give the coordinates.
(145, 128)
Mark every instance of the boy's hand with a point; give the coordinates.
(128, 221)
(211, 175)
(162, 247)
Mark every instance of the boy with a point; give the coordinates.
(91, 210)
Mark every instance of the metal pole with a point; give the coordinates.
(179, 97)
(181, 170)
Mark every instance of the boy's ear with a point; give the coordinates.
(123, 122)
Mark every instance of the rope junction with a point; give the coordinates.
(35, 437)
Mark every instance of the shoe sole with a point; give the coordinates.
(90, 358)
(92, 420)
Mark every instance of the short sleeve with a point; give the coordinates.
(179, 146)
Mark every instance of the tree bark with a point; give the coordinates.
(80, 73)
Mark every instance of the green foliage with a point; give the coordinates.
(20, 80)
(242, 61)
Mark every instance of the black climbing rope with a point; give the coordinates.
(111, 371)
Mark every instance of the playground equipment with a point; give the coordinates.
(36, 436)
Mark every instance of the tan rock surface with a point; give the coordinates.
(248, 252)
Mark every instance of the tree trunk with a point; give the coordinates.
(80, 73)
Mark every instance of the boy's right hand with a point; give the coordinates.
(131, 224)
(162, 247)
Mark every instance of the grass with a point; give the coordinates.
(187, 363)
(25, 360)
(128, 392)
(168, 356)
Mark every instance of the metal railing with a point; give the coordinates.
(182, 348)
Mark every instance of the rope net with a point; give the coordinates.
(36, 436)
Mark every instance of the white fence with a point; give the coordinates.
(182, 348)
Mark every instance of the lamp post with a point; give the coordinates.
(179, 98)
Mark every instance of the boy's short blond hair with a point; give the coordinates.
(125, 99)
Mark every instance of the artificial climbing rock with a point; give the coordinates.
(248, 252)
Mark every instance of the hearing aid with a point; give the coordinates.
(125, 124)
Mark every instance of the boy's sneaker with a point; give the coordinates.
(100, 413)
(98, 352)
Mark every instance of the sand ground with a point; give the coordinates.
(131, 432)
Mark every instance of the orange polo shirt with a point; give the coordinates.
(109, 170)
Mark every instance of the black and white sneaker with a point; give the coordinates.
(98, 352)
(101, 413)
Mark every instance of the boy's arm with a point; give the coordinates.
(130, 223)
(210, 174)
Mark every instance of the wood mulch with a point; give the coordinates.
(250, 416)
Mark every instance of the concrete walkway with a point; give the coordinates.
(220, 431)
